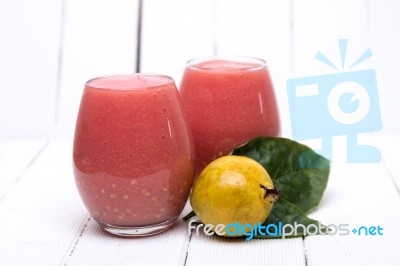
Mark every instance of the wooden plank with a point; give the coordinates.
(358, 195)
(16, 156)
(30, 32)
(42, 213)
(205, 250)
(99, 39)
(174, 32)
(317, 27)
(385, 43)
(261, 29)
(94, 246)
(389, 146)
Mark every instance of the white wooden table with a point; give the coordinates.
(43, 221)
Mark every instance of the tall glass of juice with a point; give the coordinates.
(133, 153)
(228, 101)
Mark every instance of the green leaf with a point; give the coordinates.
(284, 213)
(299, 174)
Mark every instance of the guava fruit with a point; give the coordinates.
(233, 189)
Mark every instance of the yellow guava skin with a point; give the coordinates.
(233, 189)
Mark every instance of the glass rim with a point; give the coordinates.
(258, 63)
(168, 80)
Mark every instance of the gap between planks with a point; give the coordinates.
(19, 177)
(187, 249)
(75, 241)
(305, 251)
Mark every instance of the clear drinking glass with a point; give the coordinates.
(133, 153)
(228, 101)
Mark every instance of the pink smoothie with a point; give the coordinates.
(227, 104)
(133, 161)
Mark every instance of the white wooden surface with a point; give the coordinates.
(29, 47)
(43, 221)
(49, 48)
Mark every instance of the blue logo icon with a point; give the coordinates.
(344, 103)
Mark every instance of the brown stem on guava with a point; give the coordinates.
(271, 192)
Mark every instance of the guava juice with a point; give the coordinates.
(228, 101)
(132, 154)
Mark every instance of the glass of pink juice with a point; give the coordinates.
(228, 101)
(133, 153)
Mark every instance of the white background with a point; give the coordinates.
(49, 48)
